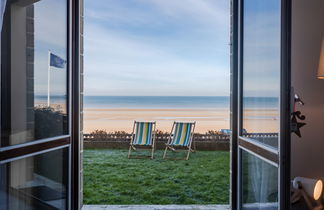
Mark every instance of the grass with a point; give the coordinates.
(111, 178)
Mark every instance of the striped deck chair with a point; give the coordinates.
(143, 137)
(181, 136)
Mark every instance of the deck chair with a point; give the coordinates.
(143, 137)
(181, 138)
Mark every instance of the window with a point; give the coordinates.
(34, 73)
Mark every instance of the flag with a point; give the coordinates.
(56, 61)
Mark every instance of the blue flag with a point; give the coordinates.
(56, 61)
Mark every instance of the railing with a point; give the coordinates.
(209, 141)
(260, 135)
(158, 137)
(107, 137)
(164, 137)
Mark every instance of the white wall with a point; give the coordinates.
(307, 32)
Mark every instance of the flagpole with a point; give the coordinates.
(48, 78)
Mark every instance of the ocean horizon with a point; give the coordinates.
(174, 102)
(165, 102)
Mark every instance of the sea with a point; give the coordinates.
(175, 102)
(165, 102)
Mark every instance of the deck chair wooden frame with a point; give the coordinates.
(135, 147)
(179, 148)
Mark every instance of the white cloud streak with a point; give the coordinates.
(119, 62)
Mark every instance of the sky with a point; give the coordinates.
(261, 53)
(50, 39)
(157, 47)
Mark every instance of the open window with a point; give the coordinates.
(39, 86)
(260, 105)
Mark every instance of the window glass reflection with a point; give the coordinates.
(259, 182)
(38, 182)
(34, 70)
(261, 71)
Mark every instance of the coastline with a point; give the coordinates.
(122, 119)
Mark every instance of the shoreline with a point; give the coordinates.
(121, 119)
(155, 109)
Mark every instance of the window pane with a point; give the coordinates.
(259, 182)
(261, 71)
(34, 70)
(38, 182)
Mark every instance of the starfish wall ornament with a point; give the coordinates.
(295, 125)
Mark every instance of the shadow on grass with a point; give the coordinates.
(111, 178)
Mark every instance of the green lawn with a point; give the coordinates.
(111, 178)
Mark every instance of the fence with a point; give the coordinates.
(203, 141)
(121, 141)
(158, 137)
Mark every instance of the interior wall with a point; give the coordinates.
(307, 33)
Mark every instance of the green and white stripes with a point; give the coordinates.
(143, 133)
(182, 134)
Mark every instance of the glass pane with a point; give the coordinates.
(34, 71)
(259, 183)
(38, 182)
(261, 71)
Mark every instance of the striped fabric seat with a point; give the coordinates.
(181, 134)
(143, 133)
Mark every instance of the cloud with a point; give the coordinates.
(50, 23)
(50, 34)
(262, 52)
(131, 50)
(157, 12)
(208, 12)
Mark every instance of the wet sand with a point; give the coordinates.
(206, 119)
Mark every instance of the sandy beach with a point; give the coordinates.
(122, 119)
(207, 119)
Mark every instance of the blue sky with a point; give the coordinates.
(50, 38)
(157, 47)
(261, 61)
